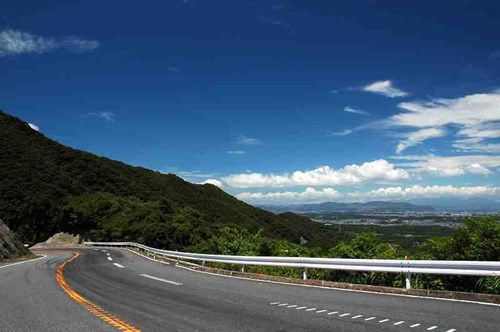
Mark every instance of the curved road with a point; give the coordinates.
(159, 297)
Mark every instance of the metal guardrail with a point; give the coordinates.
(407, 267)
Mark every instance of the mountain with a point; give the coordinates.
(374, 206)
(47, 187)
(10, 247)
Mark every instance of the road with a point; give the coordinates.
(157, 297)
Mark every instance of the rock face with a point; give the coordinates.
(9, 246)
(60, 240)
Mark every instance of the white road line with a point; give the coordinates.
(283, 304)
(357, 316)
(346, 314)
(414, 325)
(312, 309)
(107, 254)
(333, 313)
(320, 311)
(162, 280)
(432, 328)
(383, 320)
(370, 318)
(292, 306)
(104, 251)
(300, 308)
(110, 259)
(451, 330)
(399, 323)
(118, 265)
(22, 262)
(274, 303)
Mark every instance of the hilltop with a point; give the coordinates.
(47, 188)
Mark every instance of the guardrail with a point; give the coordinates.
(407, 267)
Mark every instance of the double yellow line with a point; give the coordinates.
(93, 308)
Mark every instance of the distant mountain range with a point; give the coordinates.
(374, 206)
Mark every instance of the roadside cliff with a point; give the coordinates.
(9, 246)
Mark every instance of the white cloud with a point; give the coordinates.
(477, 117)
(309, 194)
(108, 116)
(237, 152)
(385, 88)
(33, 126)
(418, 137)
(355, 111)
(478, 169)
(341, 133)
(15, 42)
(448, 166)
(321, 176)
(244, 140)
(417, 191)
(214, 182)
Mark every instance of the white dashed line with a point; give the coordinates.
(300, 308)
(383, 320)
(333, 313)
(118, 265)
(346, 314)
(274, 303)
(370, 318)
(452, 330)
(107, 254)
(414, 325)
(432, 328)
(162, 280)
(283, 304)
(399, 323)
(321, 311)
(357, 316)
(110, 259)
(312, 309)
(292, 306)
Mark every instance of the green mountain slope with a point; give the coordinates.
(46, 187)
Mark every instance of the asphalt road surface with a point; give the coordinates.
(157, 297)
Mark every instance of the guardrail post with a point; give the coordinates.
(408, 280)
(202, 263)
(304, 273)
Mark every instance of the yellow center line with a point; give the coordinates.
(93, 308)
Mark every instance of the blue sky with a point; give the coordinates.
(275, 102)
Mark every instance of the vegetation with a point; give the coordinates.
(47, 188)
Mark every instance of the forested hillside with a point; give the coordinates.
(46, 187)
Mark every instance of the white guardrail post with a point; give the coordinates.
(406, 267)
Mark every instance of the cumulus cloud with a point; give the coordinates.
(33, 126)
(16, 42)
(214, 182)
(245, 140)
(349, 109)
(448, 166)
(309, 194)
(384, 88)
(321, 176)
(477, 117)
(417, 137)
(417, 191)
